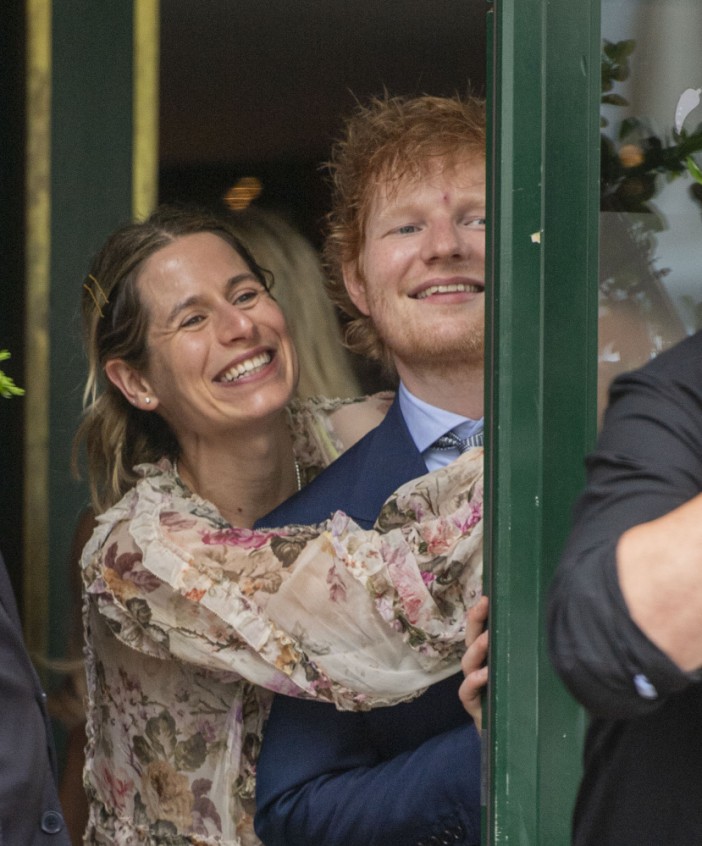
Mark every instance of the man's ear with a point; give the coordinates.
(134, 387)
(355, 285)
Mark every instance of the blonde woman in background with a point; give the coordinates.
(325, 365)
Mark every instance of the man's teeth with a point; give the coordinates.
(244, 368)
(448, 289)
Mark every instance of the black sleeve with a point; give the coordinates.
(648, 462)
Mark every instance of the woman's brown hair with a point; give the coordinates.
(117, 435)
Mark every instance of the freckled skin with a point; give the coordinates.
(420, 232)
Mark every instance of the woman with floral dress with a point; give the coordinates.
(193, 619)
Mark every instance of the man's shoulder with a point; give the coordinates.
(673, 378)
(313, 502)
(684, 359)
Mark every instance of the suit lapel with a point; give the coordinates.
(358, 482)
(386, 460)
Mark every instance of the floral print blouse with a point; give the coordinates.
(192, 625)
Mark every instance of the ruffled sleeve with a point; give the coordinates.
(357, 617)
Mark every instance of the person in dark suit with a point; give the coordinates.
(625, 610)
(30, 813)
(406, 249)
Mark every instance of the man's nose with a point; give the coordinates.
(443, 240)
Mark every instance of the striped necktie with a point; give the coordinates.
(452, 441)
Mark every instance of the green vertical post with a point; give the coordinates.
(544, 81)
(91, 192)
(91, 163)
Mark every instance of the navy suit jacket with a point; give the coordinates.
(29, 808)
(396, 776)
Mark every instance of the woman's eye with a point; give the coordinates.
(247, 297)
(193, 320)
(475, 222)
(406, 229)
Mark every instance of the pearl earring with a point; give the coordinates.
(147, 400)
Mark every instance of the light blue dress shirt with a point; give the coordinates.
(426, 423)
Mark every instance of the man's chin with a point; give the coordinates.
(445, 358)
(465, 349)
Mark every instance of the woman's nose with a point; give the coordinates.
(235, 323)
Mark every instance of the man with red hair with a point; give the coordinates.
(406, 251)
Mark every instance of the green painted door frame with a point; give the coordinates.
(91, 163)
(544, 84)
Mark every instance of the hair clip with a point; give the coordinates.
(92, 294)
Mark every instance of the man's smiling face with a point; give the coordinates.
(421, 272)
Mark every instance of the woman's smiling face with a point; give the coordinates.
(220, 354)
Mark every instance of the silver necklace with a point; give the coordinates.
(298, 472)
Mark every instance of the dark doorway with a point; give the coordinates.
(251, 88)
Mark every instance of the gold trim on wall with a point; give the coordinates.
(145, 58)
(36, 378)
(145, 107)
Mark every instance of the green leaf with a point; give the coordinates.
(161, 733)
(142, 749)
(619, 51)
(693, 169)
(628, 126)
(614, 100)
(7, 386)
(190, 754)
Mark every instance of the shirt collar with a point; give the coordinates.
(427, 422)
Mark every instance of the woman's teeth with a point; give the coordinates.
(244, 368)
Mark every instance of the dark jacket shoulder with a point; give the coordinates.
(360, 480)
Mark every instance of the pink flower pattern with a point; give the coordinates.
(193, 624)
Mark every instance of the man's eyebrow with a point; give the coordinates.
(193, 300)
